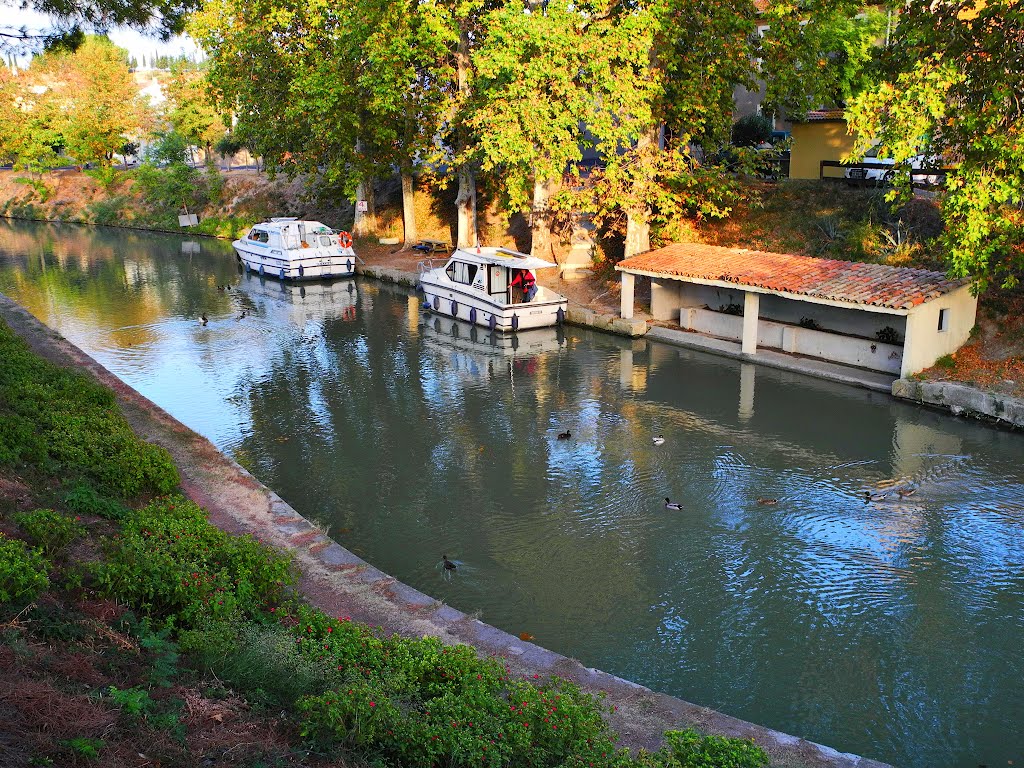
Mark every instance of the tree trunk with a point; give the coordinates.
(365, 221)
(409, 211)
(465, 202)
(638, 218)
(541, 245)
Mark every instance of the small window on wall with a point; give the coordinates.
(943, 320)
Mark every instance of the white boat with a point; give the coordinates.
(303, 302)
(476, 285)
(290, 249)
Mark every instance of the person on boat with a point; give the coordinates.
(529, 285)
(523, 284)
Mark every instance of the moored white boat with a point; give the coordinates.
(290, 249)
(479, 285)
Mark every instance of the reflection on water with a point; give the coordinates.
(888, 628)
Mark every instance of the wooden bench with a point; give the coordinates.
(435, 246)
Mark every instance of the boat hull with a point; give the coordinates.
(474, 307)
(296, 263)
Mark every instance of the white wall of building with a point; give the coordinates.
(925, 342)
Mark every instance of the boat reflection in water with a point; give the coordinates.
(299, 303)
(473, 349)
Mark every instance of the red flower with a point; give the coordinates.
(373, 703)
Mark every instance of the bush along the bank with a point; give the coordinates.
(51, 531)
(169, 562)
(63, 423)
(23, 572)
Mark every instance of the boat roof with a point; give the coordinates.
(283, 222)
(504, 257)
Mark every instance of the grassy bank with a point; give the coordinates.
(134, 632)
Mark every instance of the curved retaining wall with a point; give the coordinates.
(341, 584)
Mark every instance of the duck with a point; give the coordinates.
(221, 287)
(241, 316)
(905, 492)
(659, 440)
(448, 564)
(669, 504)
(564, 435)
(768, 502)
(204, 319)
(880, 496)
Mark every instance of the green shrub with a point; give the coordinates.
(51, 531)
(62, 421)
(946, 362)
(23, 572)
(134, 702)
(86, 748)
(689, 749)
(170, 562)
(418, 702)
(109, 211)
(83, 499)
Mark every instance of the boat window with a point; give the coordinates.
(260, 236)
(461, 272)
(325, 240)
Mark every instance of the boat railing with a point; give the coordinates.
(424, 266)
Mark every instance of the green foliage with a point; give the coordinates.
(106, 175)
(88, 749)
(109, 211)
(751, 130)
(950, 88)
(134, 702)
(946, 363)
(170, 562)
(169, 148)
(49, 530)
(83, 499)
(62, 421)
(689, 749)
(23, 572)
(263, 661)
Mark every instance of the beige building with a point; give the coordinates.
(822, 135)
(894, 320)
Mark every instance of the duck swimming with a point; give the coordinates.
(448, 564)
(659, 440)
(768, 502)
(880, 496)
(905, 492)
(204, 319)
(669, 504)
(564, 435)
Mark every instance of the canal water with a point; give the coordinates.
(887, 628)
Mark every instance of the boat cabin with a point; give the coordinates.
(493, 271)
(289, 233)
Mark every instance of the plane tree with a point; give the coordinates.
(950, 87)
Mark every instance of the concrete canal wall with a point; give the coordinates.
(961, 400)
(341, 584)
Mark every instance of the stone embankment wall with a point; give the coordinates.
(962, 400)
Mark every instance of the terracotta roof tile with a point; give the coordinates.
(843, 281)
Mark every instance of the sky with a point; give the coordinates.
(136, 43)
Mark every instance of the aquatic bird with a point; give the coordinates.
(448, 564)
(659, 440)
(768, 502)
(221, 287)
(204, 319)
(669, 504)
(526, 637)
(241, 316)
(881, 496)
(904, 492)
(564, 435)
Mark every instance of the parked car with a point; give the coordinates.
(859, 175)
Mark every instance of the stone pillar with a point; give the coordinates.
(626, 298)
(751, 306)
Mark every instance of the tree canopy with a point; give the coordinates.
(950, 87)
